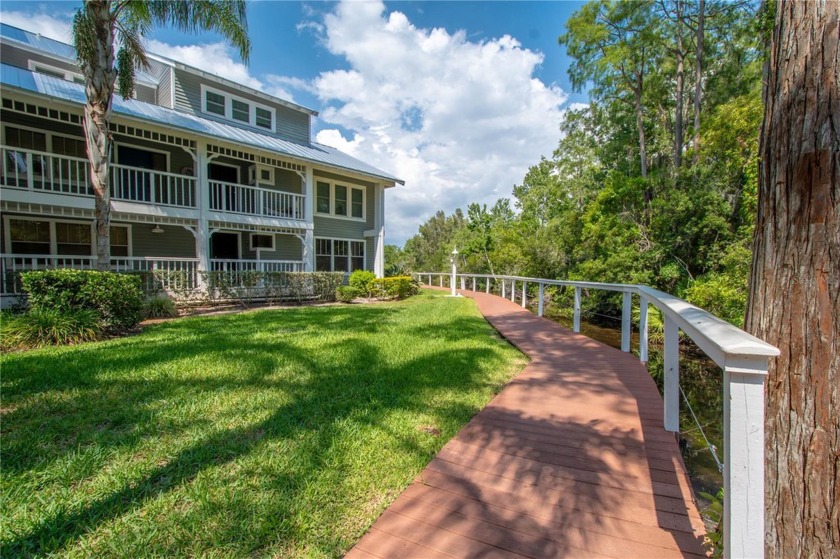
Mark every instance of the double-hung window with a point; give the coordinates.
(339, 255)
(340, 200)
(62, 238)
(237, 109)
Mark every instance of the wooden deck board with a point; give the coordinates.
(569, 460)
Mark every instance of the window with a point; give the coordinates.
(357, 206)
(29, 237)
(69, 146)
(73, 238)
(264, 242)
(323, 255)
(323, 198)
(59, 73)
(336, 255)
(264, 118)
(26, 139)
(357, 255)
(240, 111)
(214, 103)
(119, 240)
(340, 200)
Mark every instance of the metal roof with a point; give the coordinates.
(74, 93)
(36, 41)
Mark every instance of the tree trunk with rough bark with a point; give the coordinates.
(794, 299)
(698, 77)
(100, 78)
(640, 123)
(678, 110)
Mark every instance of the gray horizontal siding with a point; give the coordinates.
(16, 56)
(291, 125)
(370, 253)
(174, 242)
(286, 247)
(339, 228)
(164, 93)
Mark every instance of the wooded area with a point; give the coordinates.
(629, 195)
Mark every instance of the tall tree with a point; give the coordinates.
(100, 25)
(794, 300)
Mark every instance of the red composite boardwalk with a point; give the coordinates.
(569, 460)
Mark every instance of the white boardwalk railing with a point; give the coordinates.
(743, 358)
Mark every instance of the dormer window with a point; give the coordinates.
(48, 70)
(236, 109)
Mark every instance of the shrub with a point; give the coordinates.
(43, 326)
(116, 298)
(398, 287)
(362, 280)
(346, 293)
(159, 306)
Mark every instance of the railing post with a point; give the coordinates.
(512, 290)
(643, 329)
(463, 283)
(576, 320)
(672, 376)
(542, 297)
(524, 291)
(473, 284)
(487, 285)
(440, 278)
(504, 284)
(626, 312)
(743, 471)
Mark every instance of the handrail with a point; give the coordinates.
(743, 358)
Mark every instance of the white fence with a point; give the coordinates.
(743, 358)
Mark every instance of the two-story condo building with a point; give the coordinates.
(207, 174)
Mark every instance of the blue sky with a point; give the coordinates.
(457, 98)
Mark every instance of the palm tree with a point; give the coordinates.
(100, 25)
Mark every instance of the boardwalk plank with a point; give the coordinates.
(569, 460)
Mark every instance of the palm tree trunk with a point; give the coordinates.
(100, 77)
(794, 300)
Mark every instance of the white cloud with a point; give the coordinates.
(214, 58)
(460, 121)
(58, 26)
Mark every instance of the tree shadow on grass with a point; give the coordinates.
(104, 398)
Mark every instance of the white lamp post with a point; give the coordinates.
(453, 259)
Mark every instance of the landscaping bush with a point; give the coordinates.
(362, 280)
(346, 293)
(159, 306)
(115, 298)
(43, 326)
(273, 287)
(398, 287)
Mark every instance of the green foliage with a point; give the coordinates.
(361, 280)
(247, 286)
(714, 512)
(346, 293)
(116, 298)
(397, 261)
(399, 287)
(159, 306)
(43, 326)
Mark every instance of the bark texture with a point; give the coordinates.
(795, 284)
(101, 76)
(698, 76)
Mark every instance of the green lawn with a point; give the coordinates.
(268, 433)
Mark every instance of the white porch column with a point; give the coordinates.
(379, 228)
(308, 255)
(202, 193)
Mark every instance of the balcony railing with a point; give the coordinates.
(254, 200)
(743, 358)
(60, 174)
(242, 265)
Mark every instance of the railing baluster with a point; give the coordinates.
(576, 319)
(524, 293)
(626, 315)
(540, 308)
(672, 376)
(643, 329)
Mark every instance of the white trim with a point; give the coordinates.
(350, 188)
(7, 230)
(69, 75)
(120, 145)
(272, 248)
(332, 252)
(229, 98)
(220, 164)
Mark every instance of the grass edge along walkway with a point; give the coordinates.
(569, 460)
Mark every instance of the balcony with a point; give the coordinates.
(41, 172)
(255, 201)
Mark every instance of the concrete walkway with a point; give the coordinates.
(569, 460)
